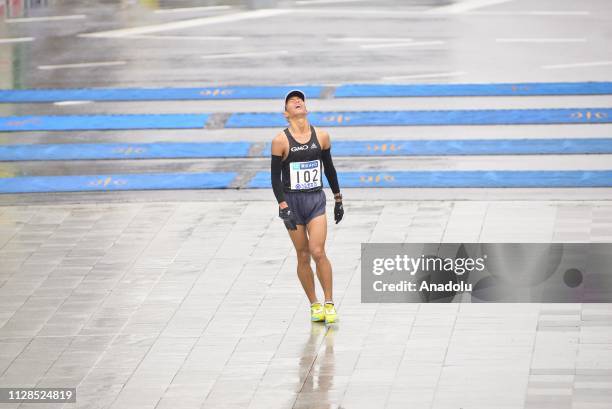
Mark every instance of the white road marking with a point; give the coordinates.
(577, 65)
(197, 22)
(67, 103)
(50, 18)
(82, 65)
(368, 40)
(360, 11)
(550, 391)
(379, 13)
(190, 9)
(464, 6)
(191, 38)
(309, 2)
(540, 40)
(419, 76)
(240, 55)
(394, 45)
(592, 385)
(529, 13)
(16, 40)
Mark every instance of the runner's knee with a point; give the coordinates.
(317, 253)
(303, 256)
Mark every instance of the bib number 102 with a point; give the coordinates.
(309, 176)
(305, 175)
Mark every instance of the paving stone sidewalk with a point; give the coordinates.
(197, 305)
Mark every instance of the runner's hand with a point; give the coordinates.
(338, 212)
(288, 218)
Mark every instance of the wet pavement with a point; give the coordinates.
(476, 45)
(188, 299)
(196, 305)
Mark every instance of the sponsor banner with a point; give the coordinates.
(486, 272)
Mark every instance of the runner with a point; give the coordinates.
(297, 156)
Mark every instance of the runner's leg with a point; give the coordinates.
(304, 271)
(317, 234)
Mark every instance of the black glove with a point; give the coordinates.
(338, 212)
(288, 218)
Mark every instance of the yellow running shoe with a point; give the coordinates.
(317, 313)
(330, 313)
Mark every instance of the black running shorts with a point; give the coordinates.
(305, 206)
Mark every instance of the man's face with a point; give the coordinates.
(295, 105)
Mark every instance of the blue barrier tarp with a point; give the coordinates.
(394, 147)
(463, 179)
(330, 119)
(152, 181)
(85, 151)
(102, 122)
(153, 94)
(447, 117)
(312, 91)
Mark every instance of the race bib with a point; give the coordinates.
(305, 175)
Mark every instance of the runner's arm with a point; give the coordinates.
(328, 164)
(276, 169)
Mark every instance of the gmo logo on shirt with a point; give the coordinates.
(299, 148)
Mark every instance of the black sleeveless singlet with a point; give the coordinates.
(303, 164)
